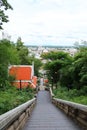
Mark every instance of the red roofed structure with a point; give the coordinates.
(24, 76)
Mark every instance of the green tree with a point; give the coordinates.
(4, 5)
(66, 76)
(19, 44)
(37, 66)
(8, 55)
(4, 56)
(54, 71)
(26, 58)
(80, 68)
(54, 55)
(55, 62)
(3, 76)
(23, 52)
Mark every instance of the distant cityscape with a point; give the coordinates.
(38, 50)
(53, 46)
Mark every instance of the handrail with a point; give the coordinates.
(75, 105)
(51, 93)
(7, 118)
(77, 111)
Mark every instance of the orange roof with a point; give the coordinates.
(21, 72)
(24, 76)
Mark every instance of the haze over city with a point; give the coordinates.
(47, 22)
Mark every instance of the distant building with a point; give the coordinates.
(38, 50)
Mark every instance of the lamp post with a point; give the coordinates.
(20, 85)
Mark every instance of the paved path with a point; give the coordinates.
(46, 116)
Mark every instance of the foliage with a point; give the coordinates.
(4, 5)
(37, 65)
(55, 64)
(3, 76)
(54, 55)
(22, 51)
(4, 56)
(8, 55)
(14, 54)
(11, 78)
(75, 75)
(74, 95)
(25, 58)
(69, 71)
(80, 68)
(16, 97)
(66, 78)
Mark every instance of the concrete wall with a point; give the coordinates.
(16, 118)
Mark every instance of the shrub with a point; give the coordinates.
(74, 95)
(12, 97)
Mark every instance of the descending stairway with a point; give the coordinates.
(46, 116)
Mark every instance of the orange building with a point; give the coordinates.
(24, 76)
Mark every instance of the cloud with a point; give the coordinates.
(48, 21)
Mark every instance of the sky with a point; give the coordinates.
(47, 22)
